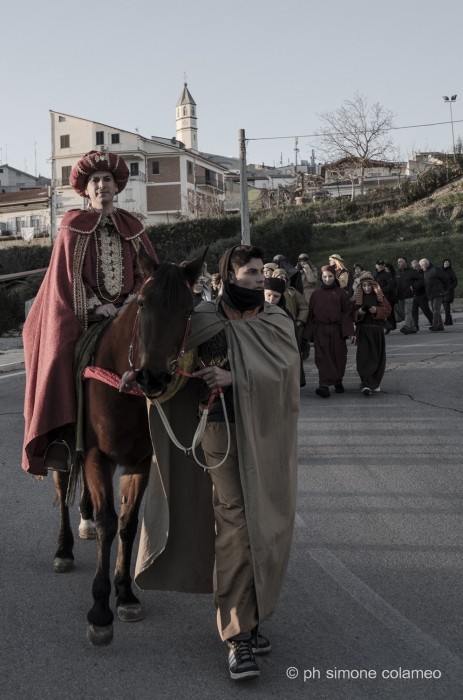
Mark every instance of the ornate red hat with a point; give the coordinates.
(98, 160)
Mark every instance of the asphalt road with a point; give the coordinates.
(375, 581)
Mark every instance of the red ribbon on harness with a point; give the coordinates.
(112, 379)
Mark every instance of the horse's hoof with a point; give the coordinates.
(130, 612)
(100, 636)
(62, 566)
(87, 529)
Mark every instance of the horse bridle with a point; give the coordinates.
(174, 365)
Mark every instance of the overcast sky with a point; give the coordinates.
(269, 66)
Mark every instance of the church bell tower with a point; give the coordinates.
(186, 120)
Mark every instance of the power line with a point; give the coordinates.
(311, 136)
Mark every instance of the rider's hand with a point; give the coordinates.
(361, 312)
(214, 377)
(373, 309)
(106, 310)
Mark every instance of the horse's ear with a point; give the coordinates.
(146, 264)
(194, 268)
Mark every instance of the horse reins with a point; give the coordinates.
(190, 452)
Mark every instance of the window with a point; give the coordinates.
(178, 112)
(99, 138)
(65, 141)
(193, 110)
(155, 167)
(115, 138)
(61, 119)
(133, 169)
(184, 111)
(65, 173)
(1, 170)
(189, 167)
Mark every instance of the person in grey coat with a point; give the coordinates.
(436, 284)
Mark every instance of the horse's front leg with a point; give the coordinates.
(99, 471)
(64, 558)
(133, 487)
(87, 530)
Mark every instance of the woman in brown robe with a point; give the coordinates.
(328, 326)
(371, 312)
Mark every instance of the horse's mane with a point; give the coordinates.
(168, 280)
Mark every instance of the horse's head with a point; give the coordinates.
(165, 305)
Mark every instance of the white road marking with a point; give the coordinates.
(8, 375)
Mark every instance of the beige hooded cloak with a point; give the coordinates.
(177, 541)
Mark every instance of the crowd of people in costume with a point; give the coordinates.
(229, 534)
(354, 305)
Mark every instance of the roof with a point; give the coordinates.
(23, 196)
(22, 172)
(185, 98)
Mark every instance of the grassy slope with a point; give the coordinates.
(431, 229)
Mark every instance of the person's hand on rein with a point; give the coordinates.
(214, 377)
(106, 310)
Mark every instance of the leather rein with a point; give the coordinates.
(127, 384)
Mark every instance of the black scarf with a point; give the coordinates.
(333, 285)
(241, 298)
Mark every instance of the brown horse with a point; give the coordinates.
(116, 431)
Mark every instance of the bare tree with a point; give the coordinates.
(358, 133)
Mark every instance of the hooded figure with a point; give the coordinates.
(92, 275)
(371, 312)
(293, 273)
(328, 326)
(241, 517)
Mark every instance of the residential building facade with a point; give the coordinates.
(168, 177)
(25, 213)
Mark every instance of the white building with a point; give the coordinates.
(168, 177)
(342, 178)
(14, 180)
(25, 214)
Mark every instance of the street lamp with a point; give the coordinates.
(450, 100)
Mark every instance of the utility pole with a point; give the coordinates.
(450, 101)
(245, 230)
(35, 158)
(296, 151)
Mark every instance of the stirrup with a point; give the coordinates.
(56, 460)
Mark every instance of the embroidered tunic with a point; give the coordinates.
(109, 272)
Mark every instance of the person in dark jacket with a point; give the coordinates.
(386, 280)
(405, 278)
(449, 295)
(436, 283)
(420, 300)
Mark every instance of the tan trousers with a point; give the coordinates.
(234, 591)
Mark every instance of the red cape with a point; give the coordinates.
(51, 332)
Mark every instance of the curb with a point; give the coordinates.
(11, 366)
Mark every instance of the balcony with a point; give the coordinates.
(141, 177)
(205, 181)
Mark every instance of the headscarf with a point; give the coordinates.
(277, 284)
(283, 264)
(94, 161)
(368, 277)
(239, 298)
(272, 266)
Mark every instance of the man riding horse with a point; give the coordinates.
(92, 276)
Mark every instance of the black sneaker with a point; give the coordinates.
(323, 391)
(260, 644)
(366, 391)
(339, 389)
(241, 661)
